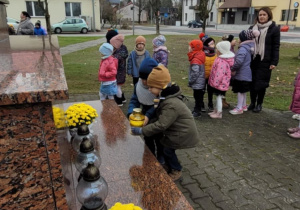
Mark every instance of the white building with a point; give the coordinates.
(126, 13)
(58, 10)
(191, 12)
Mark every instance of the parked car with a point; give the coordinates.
(195, 24)
(70, 25)
(13, 22)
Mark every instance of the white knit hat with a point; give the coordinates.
(224, 48)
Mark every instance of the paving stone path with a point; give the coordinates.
(243, 162)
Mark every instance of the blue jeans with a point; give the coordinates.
(171, 159)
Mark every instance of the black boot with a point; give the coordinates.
(123, 98)
(251, 106)
(118, 100)
(258, 108)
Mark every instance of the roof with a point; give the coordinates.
(235, 4)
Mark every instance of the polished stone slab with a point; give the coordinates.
(133, 174)
(30, 169)
(31, 70)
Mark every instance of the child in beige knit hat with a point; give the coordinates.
(174, 120)
(136, 57)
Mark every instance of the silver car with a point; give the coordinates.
(70, 25)
(13, 22)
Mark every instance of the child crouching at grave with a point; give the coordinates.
(174, 120)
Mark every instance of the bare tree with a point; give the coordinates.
(155, 4)
(205, 7)
(47, 15)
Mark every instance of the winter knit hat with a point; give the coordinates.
(140, 40)
(159, 77)
(159, 41)
(248, 34)
(117, 41)
(106, 49)
(196, 45)
(208, 41)
(224, 48)
(202, 36)
(229, 37)
(110, 34)
(146, 67)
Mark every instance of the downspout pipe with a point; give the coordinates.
(93, 5)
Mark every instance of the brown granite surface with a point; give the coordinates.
(131, 171)
(31, 70)
(30, 169)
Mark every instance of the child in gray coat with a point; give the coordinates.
(197, 74)
(241, 70)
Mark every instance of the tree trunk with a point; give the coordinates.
(204, 25)
(157, 22)
(139, 17)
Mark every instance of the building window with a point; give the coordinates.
(185, 16)
(289, 14)
(211, 16)
(283, 17)
(33, 8)
(186, 2)
(295, 15)
(191, 2)
(244, 16)
(72, 9)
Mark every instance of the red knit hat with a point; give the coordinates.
(196, 45)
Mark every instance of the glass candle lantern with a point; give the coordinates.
(92, 189)
(136, 118)
(82, 132)
(87, 154)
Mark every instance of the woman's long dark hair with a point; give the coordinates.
(26, 14)
(268, 11)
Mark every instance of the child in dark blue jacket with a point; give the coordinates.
(143, 97)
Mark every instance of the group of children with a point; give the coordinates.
(215, 70)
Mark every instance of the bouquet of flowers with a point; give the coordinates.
(59, 117)
(129, 206)
(79, 114)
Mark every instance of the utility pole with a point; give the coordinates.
(288, 17)
(133, 18)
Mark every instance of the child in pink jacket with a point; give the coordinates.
(220, 75)
(107, 72)
(295, 107)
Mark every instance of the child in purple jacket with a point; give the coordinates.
(160, 51)
(241, 71)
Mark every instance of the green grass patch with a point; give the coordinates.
(65, 41)
(81, 69)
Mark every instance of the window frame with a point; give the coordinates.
(71, 9)
(244, 15)
(33, 9)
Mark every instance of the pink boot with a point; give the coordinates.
(293, 130)
(213, 112)
(217, 115)
(295, 135)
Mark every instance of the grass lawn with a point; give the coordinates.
(81, 69)
(65, 41)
